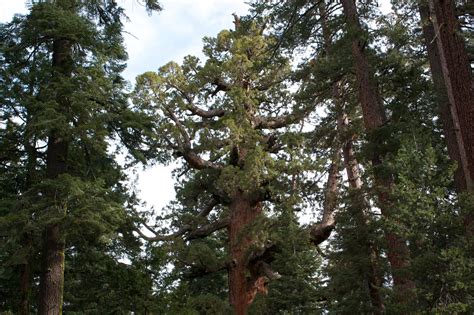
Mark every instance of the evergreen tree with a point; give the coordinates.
(62, 105)
(393, 50)
(322, 106)
(230, 120)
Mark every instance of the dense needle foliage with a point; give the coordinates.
(322, 152)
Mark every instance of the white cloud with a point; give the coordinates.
(9, 7)
(154, 40)
(175, 32)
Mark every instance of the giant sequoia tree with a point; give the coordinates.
(230, 121)
(452, 74)
(321, 106)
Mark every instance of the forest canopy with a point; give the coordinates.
(322, 155)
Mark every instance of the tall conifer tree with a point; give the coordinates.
(63, 103)
(231, 121)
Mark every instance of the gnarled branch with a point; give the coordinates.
(189, 231)
(193, 159)
(321, 231)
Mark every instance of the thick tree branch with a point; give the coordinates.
(189, 229)
(218, 112)
(321, 231)
(193, 159)
(195, 110)
(261, 122)
(276, 122)
(220, 86)
(208, 229)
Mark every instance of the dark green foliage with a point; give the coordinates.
(89, 198)
(300, 288)
(282, 61)
(427, 211)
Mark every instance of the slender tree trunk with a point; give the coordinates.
(321, 231)
(25, 289)
(360, 205)
(52, 266)
(27, 241)
(374, 117)
(456, 69)
(352, 170)
(241, 289)
(452, 132)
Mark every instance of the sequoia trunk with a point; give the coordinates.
(242, 289)
(374, 117)
(456, 69)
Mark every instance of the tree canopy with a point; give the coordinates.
(322, 153)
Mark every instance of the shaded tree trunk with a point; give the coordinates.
(452, 132)
(374, 117)
(360, 205)
(355, 183)
(52, 265)
(242, 289)
(25, 278)
(27, 241)
(321, 231)
(456, 69)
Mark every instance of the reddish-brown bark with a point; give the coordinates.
(456, 69)
(451, 132)
(459, 87)
(242, 289)
(374, 117)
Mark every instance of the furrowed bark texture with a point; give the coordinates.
(457, 75)
(374, 117)
(52, 267)
(456, 70)
(452, 133)
(242, 289)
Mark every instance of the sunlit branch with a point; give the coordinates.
(194, 160)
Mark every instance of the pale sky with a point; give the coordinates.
(154, 40)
